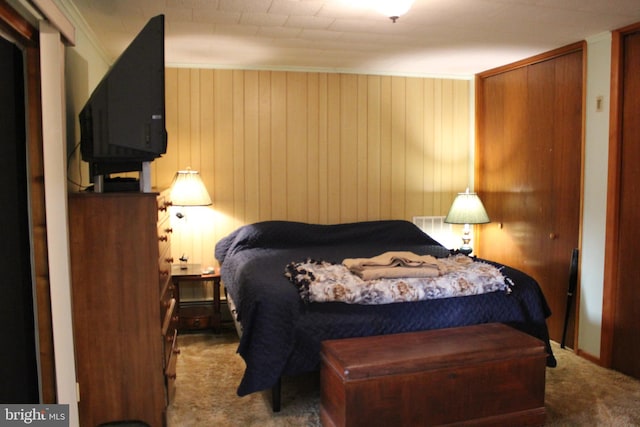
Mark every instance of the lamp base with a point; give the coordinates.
(466, 239)
(466, 250)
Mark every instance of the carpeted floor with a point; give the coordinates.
(578, 392)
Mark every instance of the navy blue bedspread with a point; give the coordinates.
(282, 335)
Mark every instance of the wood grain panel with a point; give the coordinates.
(223, 184)
(323, 149)
(398, 146)
(313, 148)
(264, 150)
(414, 177)
(297, 194)
(240, 196)
(386, 150)
(362, 149)
(374, 148)
(316, 147)
(348, 187)
(252, 144)
(279, 190)
(333, 149)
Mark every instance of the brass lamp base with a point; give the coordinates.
(466, 239)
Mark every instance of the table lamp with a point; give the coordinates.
(467, 209)
(188, 189)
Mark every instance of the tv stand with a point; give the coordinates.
(145, 178)
(98, 183)
(120, 185)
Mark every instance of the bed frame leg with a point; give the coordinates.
(275, 395)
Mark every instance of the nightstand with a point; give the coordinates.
(197, 297)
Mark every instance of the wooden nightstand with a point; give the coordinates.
(197, 297)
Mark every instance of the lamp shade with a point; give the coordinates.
(189, 190)
(467, 208)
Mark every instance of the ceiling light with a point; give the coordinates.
(393, 8)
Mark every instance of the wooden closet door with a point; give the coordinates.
(529, 169)
(626, 324)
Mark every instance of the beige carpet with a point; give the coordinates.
(578, 393)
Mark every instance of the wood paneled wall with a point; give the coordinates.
(313, 147)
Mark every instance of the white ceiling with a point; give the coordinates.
(436, 37)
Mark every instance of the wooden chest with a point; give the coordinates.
(487, 374)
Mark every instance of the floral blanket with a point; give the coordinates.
(321, 281)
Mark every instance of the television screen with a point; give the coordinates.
(122, 124)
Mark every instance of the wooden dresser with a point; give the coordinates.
(123, 302)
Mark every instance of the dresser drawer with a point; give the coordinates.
(164, 240)
(168, 302)
(165, 260)
(170, 320)
(169, 329)
(170, 373)
(163, 204)
(164, 273)
(197, 316)
(164, 251)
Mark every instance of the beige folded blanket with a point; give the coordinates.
(394, 264)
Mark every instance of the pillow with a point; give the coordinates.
(290, 234)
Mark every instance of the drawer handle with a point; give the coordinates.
(164, 206)
(176, 351)
(163, 238)
(168, 230)
(164, 272)
(169, 260)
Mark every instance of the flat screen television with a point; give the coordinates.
(122, 125)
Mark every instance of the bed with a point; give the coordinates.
(281, 331)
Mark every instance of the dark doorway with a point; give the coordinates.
(18, 361)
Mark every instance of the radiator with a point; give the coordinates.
(435, 227)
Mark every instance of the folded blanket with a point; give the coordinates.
(389, 259)
(394, 264)
(321, 281)
(373, 273)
